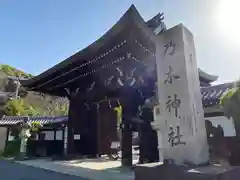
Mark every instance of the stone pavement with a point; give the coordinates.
(82, 169)
(93, 169)
(15, 171)
(87, 168)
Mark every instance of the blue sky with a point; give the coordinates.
(35, 35)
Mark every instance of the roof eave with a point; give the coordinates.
(206, 76)
(131, 15)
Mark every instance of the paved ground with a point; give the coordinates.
(15, 171)
(83, 169)
(93, 169)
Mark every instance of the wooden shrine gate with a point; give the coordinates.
(118, 65)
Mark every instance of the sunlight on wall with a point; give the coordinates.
(227, 125)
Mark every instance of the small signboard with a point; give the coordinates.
(115, 144)
(77, 136)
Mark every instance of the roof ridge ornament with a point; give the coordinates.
(157, 24)
(71, 93)
(91, 87)
(87, 106)
(126, 79)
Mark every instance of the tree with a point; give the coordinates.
(30, 111)
(61, 110)
(11, 71)
(18, 107)
(56, 106)
(14, 107)
(230, 103)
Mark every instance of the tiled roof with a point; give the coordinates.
(211, 95)
(12, 120)
(5, 94)
(16, 78)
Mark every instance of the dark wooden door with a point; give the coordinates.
(107, 127)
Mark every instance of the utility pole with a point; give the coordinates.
(18, 85)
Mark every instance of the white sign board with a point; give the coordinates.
(49, 135)
(115, 144)
(59, 135)
(180, 118)
(77, 137)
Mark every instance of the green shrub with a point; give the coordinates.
(12, 148)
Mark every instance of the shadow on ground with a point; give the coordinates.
(10, 170)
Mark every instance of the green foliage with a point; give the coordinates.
(12, 148)
(21, 107)
(30, 111)
(35, 126)
(227, 96)
(11, 71)
(14, 107)
(8, 85)
(230, 103)
(30, 103)
(17, 107)
(60, 110)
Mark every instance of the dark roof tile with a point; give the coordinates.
(12, 120)
(211, 95)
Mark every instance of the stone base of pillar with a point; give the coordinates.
(157, 128)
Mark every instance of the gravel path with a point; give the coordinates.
(15, 171)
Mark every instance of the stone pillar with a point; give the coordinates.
(156, 125)
(181, 118)
(70, 131)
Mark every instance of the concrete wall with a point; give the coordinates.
(3, 134)
(49, 135)
(227, 124)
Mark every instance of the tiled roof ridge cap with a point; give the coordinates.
(33, 117)
(218, 85)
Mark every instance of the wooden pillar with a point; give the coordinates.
(70, 131)
(126, 141)
(126, 127)
(71, 94)
(55, 134)
(98, 132)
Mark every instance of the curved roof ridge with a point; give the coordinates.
(206, 76)
(131, 15)
(228, 84)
